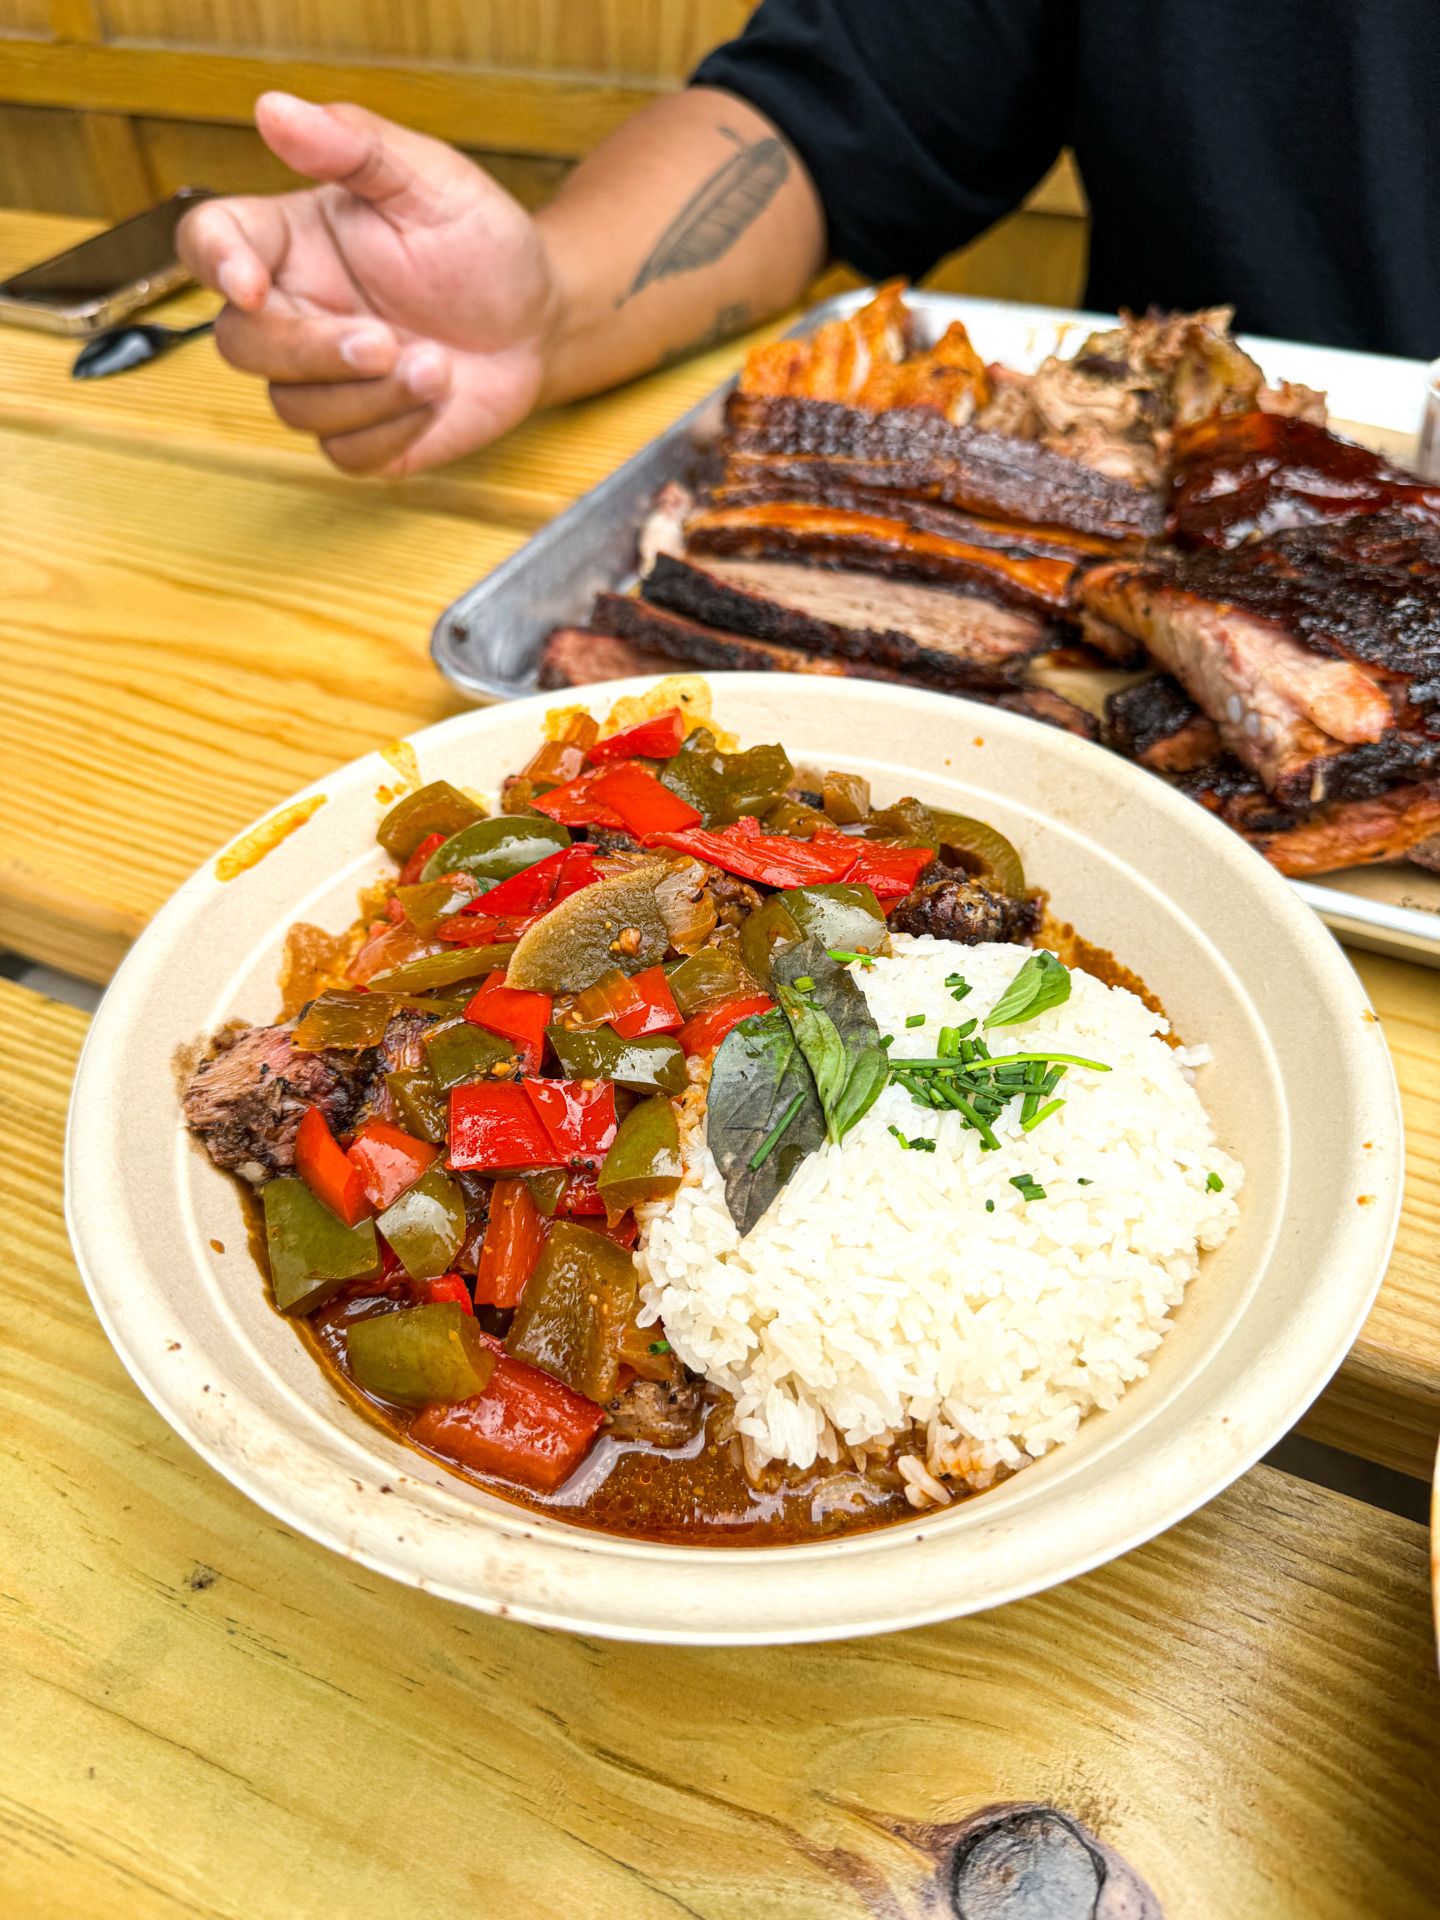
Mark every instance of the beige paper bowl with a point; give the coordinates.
(1301, 1089)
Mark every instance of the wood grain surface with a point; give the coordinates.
(1385, 1400)
(208, 1716)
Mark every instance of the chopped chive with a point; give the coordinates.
(960, 992)
(989, 1206)
(898, 1135)
(843, 954)
(1029, 1106)
(948, 1045)
(1043, 1114)
(887, 1039)
(1069, 1059)
(659, 1346)
(967, 1049)
(954, 979)
(914, 1019)
(804, 984)
(1084, 1183)
(968, 1028)
(767, 1145)
(1026, 1187)
(1213, 1183)
(987, 1138)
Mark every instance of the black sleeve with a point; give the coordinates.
(920, 121)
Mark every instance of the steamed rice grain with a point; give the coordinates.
(880, 1293)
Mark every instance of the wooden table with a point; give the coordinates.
(208, 1716)
(198, 615)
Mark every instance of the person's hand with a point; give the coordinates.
(401, 311)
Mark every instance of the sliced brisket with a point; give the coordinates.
(676, 638)
(785, 530)
(916, 451)
(579, 657)
(927, 633)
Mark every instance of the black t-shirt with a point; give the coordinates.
(1281, 155)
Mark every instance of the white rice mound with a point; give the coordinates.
(878, 1294)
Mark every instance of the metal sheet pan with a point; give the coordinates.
(487, 643)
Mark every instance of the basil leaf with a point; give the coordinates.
(1040, 984)
(836, 1031)
(759, 1071)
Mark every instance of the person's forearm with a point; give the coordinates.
(691, 222)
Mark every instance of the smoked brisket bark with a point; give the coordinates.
(913, 450)
(1238, 475)
(940, 638)
(1313, 728)
(792, 530)
(752, 480)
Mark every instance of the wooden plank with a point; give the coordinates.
(76, 22)
(177, 658)
(622, 37)
(192, 406)
(564, 116)
(1385, 1401)
(118, 160)
(221, 1719)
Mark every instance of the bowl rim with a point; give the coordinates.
(518, 1586)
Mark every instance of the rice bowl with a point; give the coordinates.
(1300, 1090)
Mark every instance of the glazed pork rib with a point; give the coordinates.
(939, 638)
(1321, 681)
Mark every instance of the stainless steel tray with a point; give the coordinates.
(488, 642)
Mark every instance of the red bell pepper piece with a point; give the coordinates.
(707, 1029)
(415, 865)
(328, 1172)
(516, 1015)
(514, 1235)
(652, 1007)
(579, 1119)
(389, 1161)
(449, 1289)
(653, 739)
(536, 889)
(581, 1196)
(494, 1128)
(573, 806)
(774, 859)
(886, 868)
(526, 1426)
(641, 801)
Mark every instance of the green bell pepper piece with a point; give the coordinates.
(443, 969)
(461, 1053)
(711, 975)
(433, 901)
(421, 1356)
(575, 1306)
(312, 1254)
(644, 1159)
(438, 808)
(839, 914)
(340, 1019)
(426, 1225)
(494, 850)
(771, 925)
(424, 1109)
(547, 1188)
(652, 1064)
(722, 786)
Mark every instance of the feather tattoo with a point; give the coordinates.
(717, 213)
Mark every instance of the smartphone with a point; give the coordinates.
(103, 280)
